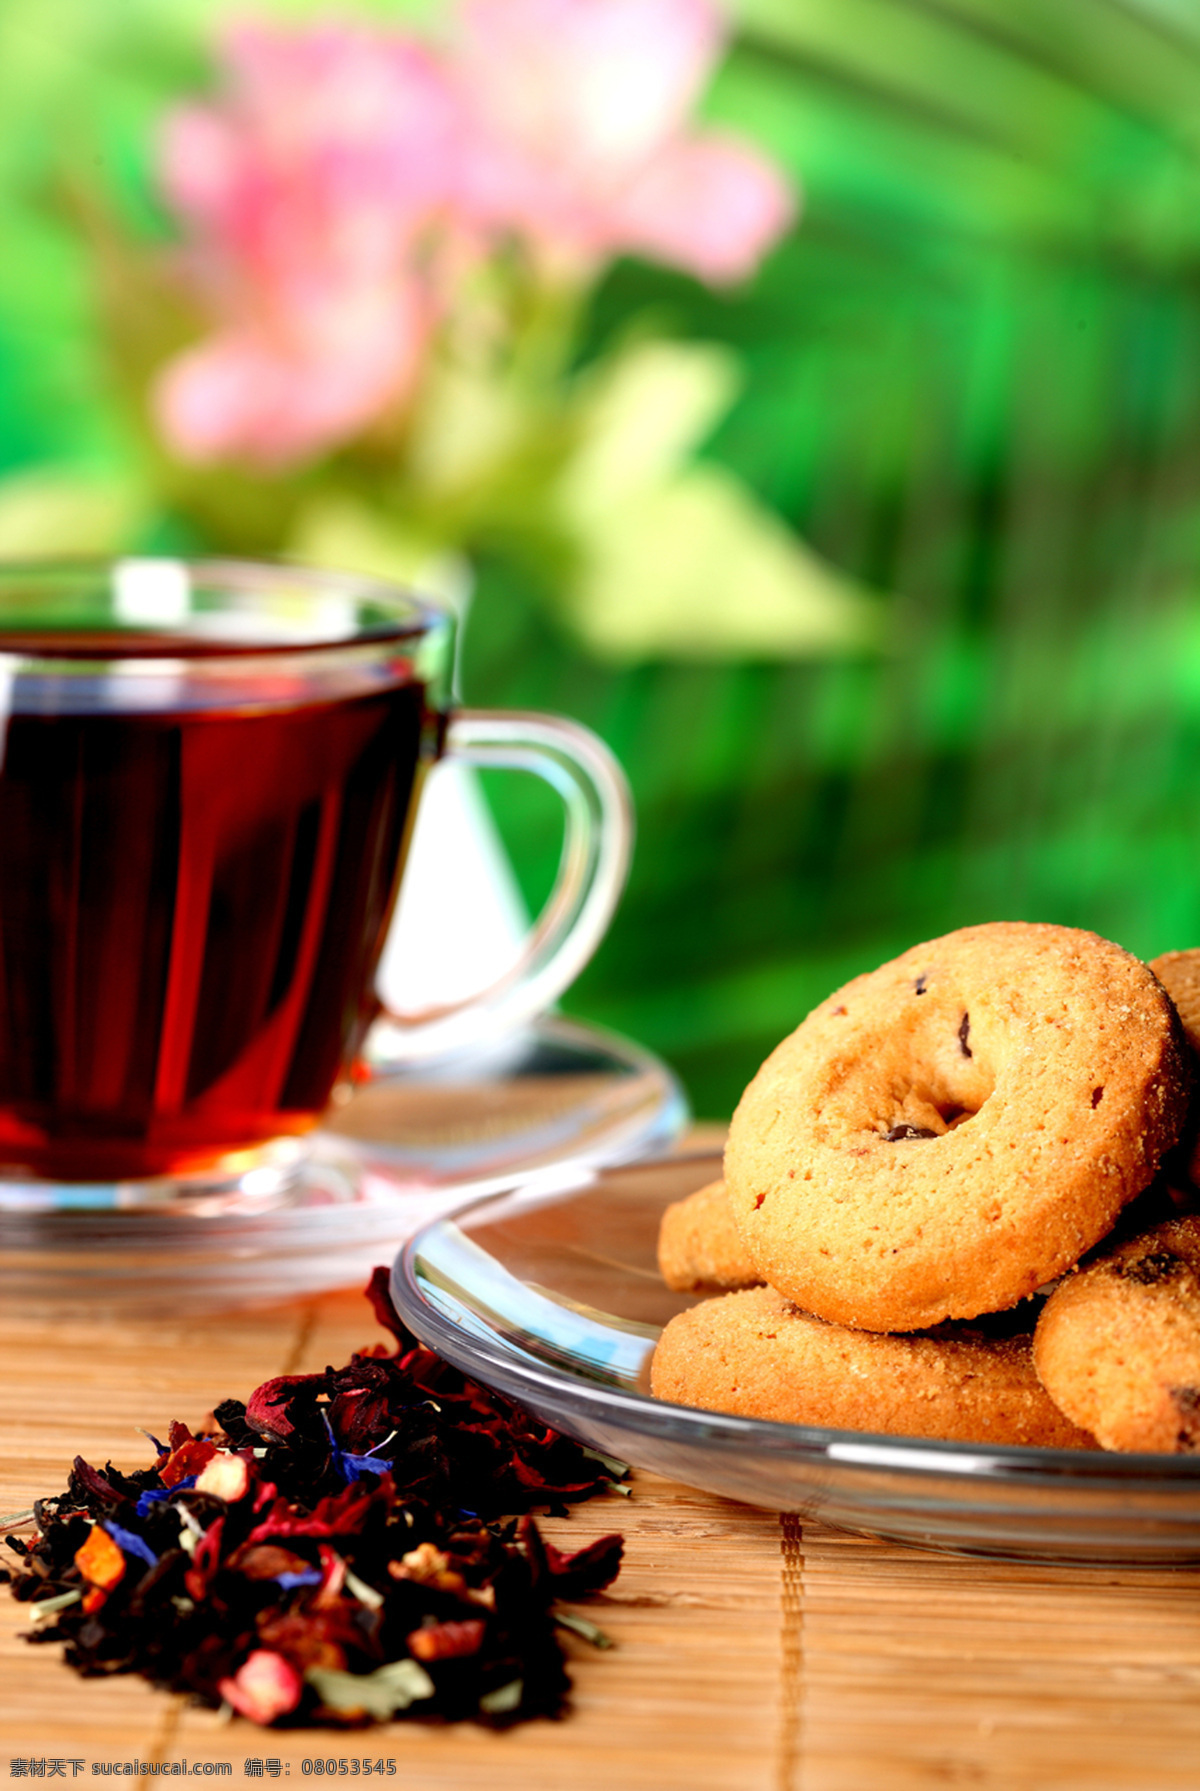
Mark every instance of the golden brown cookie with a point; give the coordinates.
(1179, 974)
(946, 1134)
(700, 1249)
(1118, 1344)
(753, 1353)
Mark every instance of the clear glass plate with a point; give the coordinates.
(555, 1299)
(543, 1108)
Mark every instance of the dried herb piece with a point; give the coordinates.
(343, 1548)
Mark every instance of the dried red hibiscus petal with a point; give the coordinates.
(344, 1547)
(589, 1569)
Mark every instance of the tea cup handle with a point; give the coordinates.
(597, 843)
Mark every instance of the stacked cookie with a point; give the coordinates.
(935, 1144)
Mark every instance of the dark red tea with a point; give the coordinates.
(192, 904)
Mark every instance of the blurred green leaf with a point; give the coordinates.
(53, 510)
(695, 568)
(1063, 121)
(342, 533)
(641, 413)
(676, 560)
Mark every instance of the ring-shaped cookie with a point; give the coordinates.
(1117, 1346)
(699, 1247)
(753, 1354)
(1179, 974)
(947, 1133)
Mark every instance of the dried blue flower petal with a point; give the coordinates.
(152, 1496)
(131, 1543)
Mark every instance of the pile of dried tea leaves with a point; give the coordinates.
(346, 1547)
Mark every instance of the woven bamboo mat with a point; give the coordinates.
(753, 1653)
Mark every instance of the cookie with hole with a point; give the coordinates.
(756, 1355)
(1179, 974)
(1117, 1345)
(700, 1248)
(948, 1133)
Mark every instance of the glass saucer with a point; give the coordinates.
(542, 1108)
(555, 1299)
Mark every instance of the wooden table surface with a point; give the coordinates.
(753, 1652)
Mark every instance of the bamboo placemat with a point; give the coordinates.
(753, 1653)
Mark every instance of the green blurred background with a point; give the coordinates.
(973, 383)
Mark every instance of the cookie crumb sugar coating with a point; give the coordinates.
(754, 1354)
(948, 1133)
(1118, 1344)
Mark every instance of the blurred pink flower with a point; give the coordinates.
(279, 391)
(584, 147)
(344, 179)
(308, 190)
